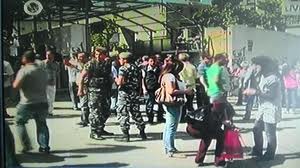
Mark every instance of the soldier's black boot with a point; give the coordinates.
(96, 135)
(160, 119)
(124, 138)
(143, 134)
(150, 120)
(106, 133)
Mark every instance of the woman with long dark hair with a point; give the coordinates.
(269, 110)
(169, 78)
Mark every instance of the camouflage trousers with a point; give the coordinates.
(99, 110)
(129, 105)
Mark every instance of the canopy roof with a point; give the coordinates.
(127, 13)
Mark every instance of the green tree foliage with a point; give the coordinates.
(224, 13)
(271, 14)
(108, 30)
(220, 13)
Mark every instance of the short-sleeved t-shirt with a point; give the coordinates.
(171, 78)
(8, 72)
(52, 69)
(33, 84)
(189, 75)
(201, 69)
(212, 73)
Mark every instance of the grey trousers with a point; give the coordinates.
(270, 130)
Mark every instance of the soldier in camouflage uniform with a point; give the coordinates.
(98, 73)
(129, 82)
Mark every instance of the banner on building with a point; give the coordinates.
(291, 7)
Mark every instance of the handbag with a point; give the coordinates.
(232, 144)
(162, 97)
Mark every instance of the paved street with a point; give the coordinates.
(71, 146)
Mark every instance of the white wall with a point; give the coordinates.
(268, 43)
(295, 31)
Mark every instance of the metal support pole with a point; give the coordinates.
(34, 33)
(34, 25)
(3, 147)
(151, 41)
(49, 22)
(61, 14)
(87, 48)
(19, 28)
(133, 43)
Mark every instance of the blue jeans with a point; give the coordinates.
(173, 114)
(38, 112)
(291, 98)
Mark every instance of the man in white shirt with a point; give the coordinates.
(8, 77)
(73, 71)
(52, 68)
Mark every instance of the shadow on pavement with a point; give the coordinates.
(247, 163)
(111, 123)
(102, 149)
(290, 119)
(243, 121)
(247, 130)
(43, 158)
(64, 108)
(104, 165)
(152, 136)
(254, 163)
(10, 121)
(55, 116)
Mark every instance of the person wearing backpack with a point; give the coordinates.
(150, 83)
(218, 101)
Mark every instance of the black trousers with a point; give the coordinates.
(73, 94)
(149, 107)
(201, 96)
(188, 106)
(240, 97)
(270, 130)
(249, 106)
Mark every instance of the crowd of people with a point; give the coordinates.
(104, 83)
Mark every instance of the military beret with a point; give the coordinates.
(125, 55)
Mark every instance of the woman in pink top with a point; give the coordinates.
(291, 86)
